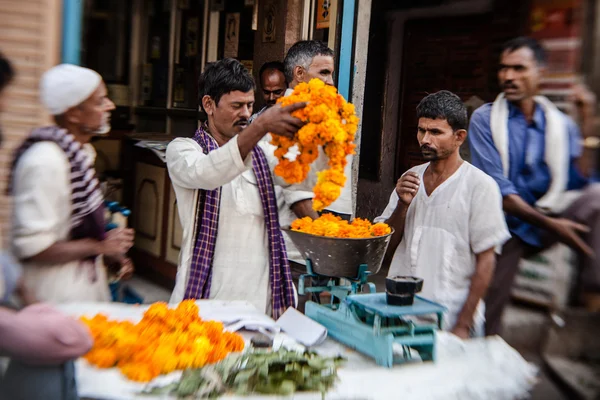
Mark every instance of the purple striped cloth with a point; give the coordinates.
(86, 196)
(207, 224)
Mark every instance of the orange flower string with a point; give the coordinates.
(165, 340)
(332, 226)
(331, 122)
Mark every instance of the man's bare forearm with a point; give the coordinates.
(303, 208)
(516, 206)
(396, 221)
(480, 281)
(65, 252)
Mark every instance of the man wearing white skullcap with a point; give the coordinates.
(58, 224)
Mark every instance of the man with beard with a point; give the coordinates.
(448, 220)
(233, 248)
(58, 224)
(536, 155)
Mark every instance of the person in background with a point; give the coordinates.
(58, 224)
(538, 158)
(447, 219)
(232, 248)
(306, 60)
(272, 84)
(41, 341)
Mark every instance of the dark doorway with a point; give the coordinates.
(449, 53)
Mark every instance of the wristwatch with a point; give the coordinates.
(591, 142)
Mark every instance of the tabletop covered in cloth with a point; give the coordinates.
(485, 368)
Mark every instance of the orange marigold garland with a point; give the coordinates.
(333, 226)
(331, 122)
(165, 340)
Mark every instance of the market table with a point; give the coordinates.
(485, 368)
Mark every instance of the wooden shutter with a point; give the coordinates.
(30, 39)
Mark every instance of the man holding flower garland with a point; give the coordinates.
(233, 248)
(448, 219)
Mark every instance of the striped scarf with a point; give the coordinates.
(207, 221)
(86, 196)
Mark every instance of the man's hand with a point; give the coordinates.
(407, 187)
(568, 232)
(126, 270)
(461, 332)
(279, 120)
(117, 243)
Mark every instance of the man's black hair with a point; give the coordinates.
(526, 42)
(222, 77)
(7, 73)
(302, 54)
(271, 66)
(444, 105)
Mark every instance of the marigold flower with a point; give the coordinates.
(165, 340)
(331, 122)
(332, 226)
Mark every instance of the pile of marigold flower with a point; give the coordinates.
(165, 340)
(331, 122)
(332, 226)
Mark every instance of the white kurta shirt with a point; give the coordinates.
(241, 260)
(443, 233)
(42, 217)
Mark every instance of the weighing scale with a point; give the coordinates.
(364, 321)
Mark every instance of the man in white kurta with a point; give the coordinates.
(448, 219)
(240, 265)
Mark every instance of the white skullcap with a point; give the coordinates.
(66, 85)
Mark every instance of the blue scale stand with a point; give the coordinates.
(366, 323)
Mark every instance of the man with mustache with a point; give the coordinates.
(233, 248)
(448, 220)
(58, 224)
(537, 156)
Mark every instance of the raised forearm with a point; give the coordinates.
(250, 137)
(67, 251)
(480, 281)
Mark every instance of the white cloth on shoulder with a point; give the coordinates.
(556, 152)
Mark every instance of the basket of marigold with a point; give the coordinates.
(331, 124)
(337, 248)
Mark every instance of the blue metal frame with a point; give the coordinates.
(71, 34)
(345, 66)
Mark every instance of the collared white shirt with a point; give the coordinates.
(443, 233)
(42, 217)
(240, 268)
